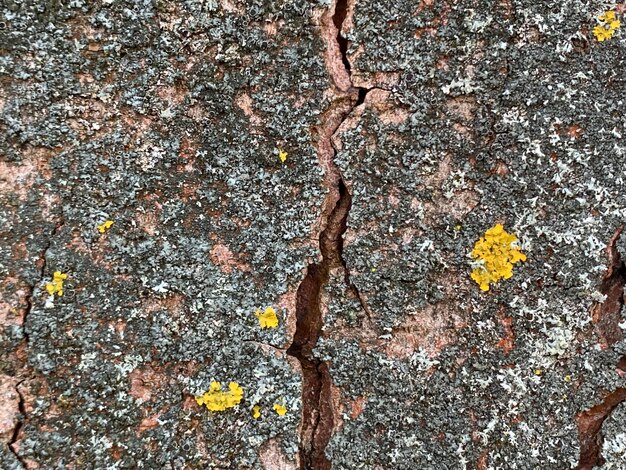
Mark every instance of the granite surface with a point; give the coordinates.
(336, 160)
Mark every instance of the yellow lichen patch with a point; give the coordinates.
(256, 411)
(56, 286)
(280, 409)
(497, 252)
(268, 318)
(105, 226)
(217, 400)
(282, 155)
(607, 27)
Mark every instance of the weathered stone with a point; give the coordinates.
(336, 160)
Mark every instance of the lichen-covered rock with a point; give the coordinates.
(181, 171)
(165, 118)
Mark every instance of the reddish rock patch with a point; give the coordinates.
(273, 458)
(9, 407)
(507, 343)
(226, 260)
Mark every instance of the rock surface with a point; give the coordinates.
(335, 160)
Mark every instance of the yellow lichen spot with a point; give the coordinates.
(56, 286)
(217, 400)
(268, 318)
(280, 409)
(607, 27)
(102, 228)
(256, 411)
(496, 252)
(282, 155)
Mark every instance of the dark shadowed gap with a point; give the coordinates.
(607, 315)
(18, 426)
(317, 412)
(361, 97)
(589, 427)
(317, 406)
(341, 10)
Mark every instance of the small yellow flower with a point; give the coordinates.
(280, 409)
(256, 411)
(538, 372)
(607, 27)
(56, 286)
(497, 253)
(268, 318)
(105, 226)
(217, 400)
(282, 155)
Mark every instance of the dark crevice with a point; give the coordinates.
(308, 327)
(18, 426)
(42, 273)
(607, 315)
(30, 302)
(361, 96)
(29, 307)
(345, 201)
(341, 10)
(362, 93)
(589, 429)
(317, 409)
(317, 405)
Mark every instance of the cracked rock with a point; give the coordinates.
(186, 164)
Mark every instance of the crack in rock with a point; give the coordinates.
(317, 405)
(30, 301)
(317, 408)
(18, 426)
(606, 316)
(590, 426)
(42, 274)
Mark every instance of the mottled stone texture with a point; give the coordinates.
(440, 117)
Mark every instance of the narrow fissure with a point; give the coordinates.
(606, 317)
(29, 306)
(590, 426)
(317, 411)
(42, 273)
(30, 301)
(361, 97)
(18, 426)
(317, 406)
(341, 11)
